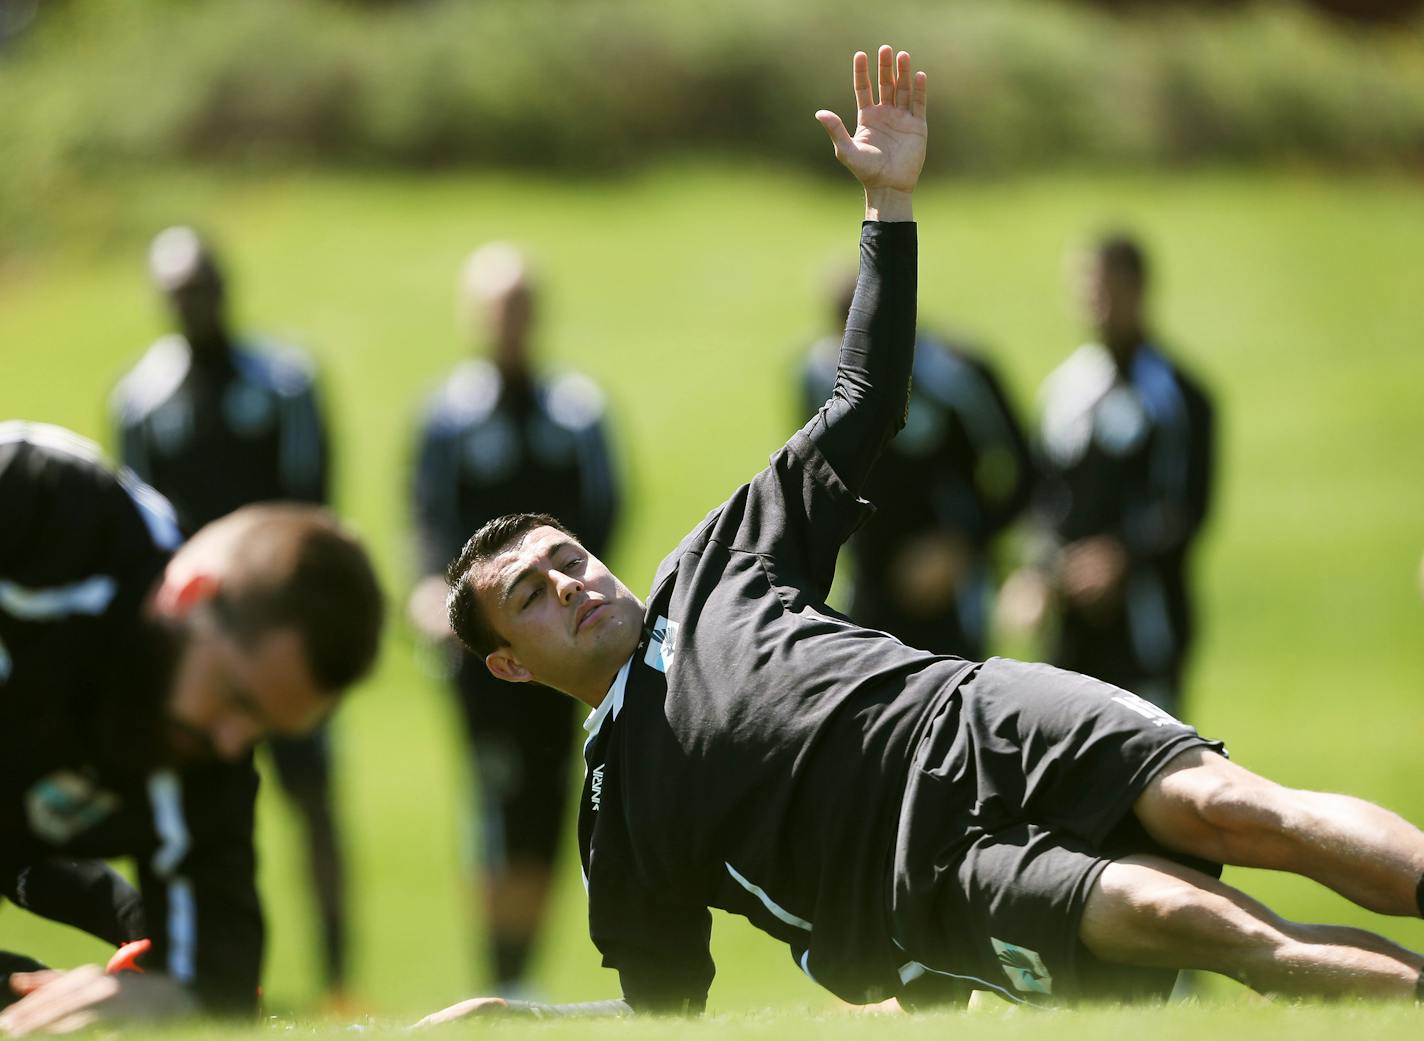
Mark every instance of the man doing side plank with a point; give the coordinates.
(911, 825)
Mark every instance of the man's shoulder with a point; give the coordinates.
(274, 366)
(1187, 379)
(466, 398)
(1084, 374)
(81, 484)
(1168, 386)
(948, 370)
(573, 400)
(693, 542)
(152, 380)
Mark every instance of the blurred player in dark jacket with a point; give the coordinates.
(954, 477)
(1127, 443)
(498, 436)
(215, 421)
(136, 674)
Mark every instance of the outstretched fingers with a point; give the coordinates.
(887, 74)
(918, 94)
(860, 78)
(902, 80)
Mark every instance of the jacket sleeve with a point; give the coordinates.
(661, 950)
(872, 389)
(1003, 469)
(304, 453)
(1164, 522)
(434, 491)
(199, 885)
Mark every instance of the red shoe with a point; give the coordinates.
(126, 958)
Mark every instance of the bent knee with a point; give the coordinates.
(1213, 809)
(1150, 911)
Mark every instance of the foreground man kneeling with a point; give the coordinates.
(136, 675)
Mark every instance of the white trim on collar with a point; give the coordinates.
(612, 701)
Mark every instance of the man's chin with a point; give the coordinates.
(185, 746)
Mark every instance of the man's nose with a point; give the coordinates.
(565, 586)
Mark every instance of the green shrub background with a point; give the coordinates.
(600, 84)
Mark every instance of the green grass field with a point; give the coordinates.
(687, 293)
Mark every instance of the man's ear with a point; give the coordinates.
(505, 666)
(178, 595)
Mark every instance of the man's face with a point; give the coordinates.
(197, 304)
(510, 317)
(566, 619)
(227, 696)
(1111, 298)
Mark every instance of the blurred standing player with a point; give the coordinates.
(1127, 454)
(954, 477)
(498, 437)
(214, 421)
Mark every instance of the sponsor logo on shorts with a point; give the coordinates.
(1023, 967)
(1148, 711)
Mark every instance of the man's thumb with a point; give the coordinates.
(840, 137)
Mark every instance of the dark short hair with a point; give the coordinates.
(1122, 252)
(467, 618)
(294, 565)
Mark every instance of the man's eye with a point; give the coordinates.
(574, 563)
(534, 595)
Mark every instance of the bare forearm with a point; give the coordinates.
(581, 1010)
(525, 1009)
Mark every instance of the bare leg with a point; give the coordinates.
(1149, 911)
(1207, 806)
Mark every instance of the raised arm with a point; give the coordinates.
(886, 153)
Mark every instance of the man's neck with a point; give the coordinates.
(210, 351)
(514, 374)
(594, 696)
(1124, 346)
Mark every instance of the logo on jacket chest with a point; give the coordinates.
(662, 647)
(66, 804)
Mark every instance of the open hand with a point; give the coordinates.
(462, 1010)
(63, 1002)
(887, 150)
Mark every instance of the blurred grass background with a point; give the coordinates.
(682, 204)
(688, 292)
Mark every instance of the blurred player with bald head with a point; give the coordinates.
(215, 421)
(498, 437)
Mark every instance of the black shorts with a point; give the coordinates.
(1020, 795)
(522, 736)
